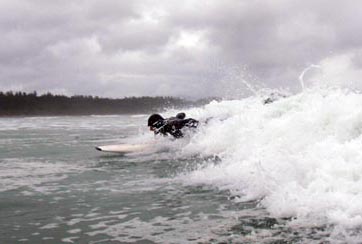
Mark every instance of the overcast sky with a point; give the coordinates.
(189, 48)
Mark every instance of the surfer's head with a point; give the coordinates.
(154, 121)
(181, 115)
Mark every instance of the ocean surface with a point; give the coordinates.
(285, 172)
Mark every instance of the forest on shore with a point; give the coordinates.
(32, 104)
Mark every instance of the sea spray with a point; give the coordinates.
(301, 76)
(301, 155)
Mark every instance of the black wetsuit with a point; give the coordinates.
(174, 125)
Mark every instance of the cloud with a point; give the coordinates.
(180, 48)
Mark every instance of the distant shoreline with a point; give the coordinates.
(21, 104)
(64, 115)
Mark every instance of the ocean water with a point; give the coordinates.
(285, 172)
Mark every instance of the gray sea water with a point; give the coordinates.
(56, 188)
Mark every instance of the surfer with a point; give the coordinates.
(172, 125)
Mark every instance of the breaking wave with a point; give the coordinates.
(301, 155)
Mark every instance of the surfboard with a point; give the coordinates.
(125, 148)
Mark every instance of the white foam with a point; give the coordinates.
(302, 154)
(163, 229)
(49, 226)
(16, 173)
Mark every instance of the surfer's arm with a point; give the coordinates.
(193, 123)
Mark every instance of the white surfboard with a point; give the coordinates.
(125, 148)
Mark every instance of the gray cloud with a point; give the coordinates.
(180, 48)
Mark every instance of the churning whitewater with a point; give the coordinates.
(301, 156)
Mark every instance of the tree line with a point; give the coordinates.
(32, 104)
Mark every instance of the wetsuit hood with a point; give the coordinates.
(181, 115)
(153, 119)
